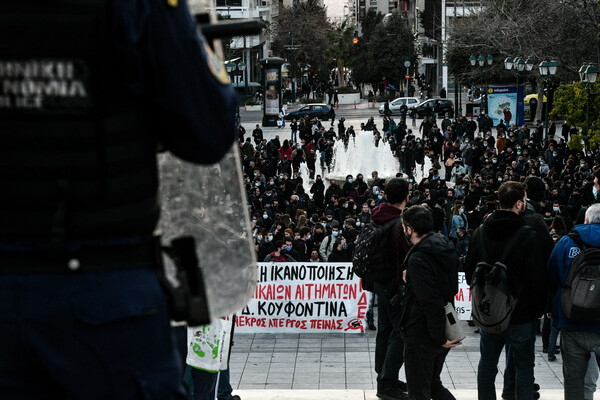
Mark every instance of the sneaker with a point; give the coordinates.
(551, 358)
(392, 394)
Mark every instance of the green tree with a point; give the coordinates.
(566, 31)
(570, 104)
(306, 23)
(386, 45)
(340, 42)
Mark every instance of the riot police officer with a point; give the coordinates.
(88, 91)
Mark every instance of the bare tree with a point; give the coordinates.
(562, 30)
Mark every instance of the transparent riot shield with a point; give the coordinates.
(209, 203)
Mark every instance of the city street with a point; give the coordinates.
(340, 366)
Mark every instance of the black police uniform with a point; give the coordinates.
(88, 91)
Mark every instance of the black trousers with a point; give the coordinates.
(389, 345)
(423, 365)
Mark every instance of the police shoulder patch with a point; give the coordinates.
(216, 66)
(172, 3)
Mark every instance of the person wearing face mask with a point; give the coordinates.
(328, 244)
(459, 219)
(389, 347)
(431, 283)
(314, 256)
(591, 193)
(279, 254)
(265, 246)
(303, 244)
(365, 215)
(543, 167)
(361, 185)
(318, 191)
(263, 220)
(527, 283)
(342, 251)
(289, 248)
(350, 188)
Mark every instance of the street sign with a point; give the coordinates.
(407, 64)
(407, 76)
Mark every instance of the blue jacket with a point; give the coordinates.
(558, 267)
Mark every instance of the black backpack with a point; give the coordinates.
(372, 260)
(581, 293)
(491, 299)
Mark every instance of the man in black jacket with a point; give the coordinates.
(527, 283)
(389, 347)
(431, 282)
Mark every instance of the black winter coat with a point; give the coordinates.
(526, 264)
(432, 281)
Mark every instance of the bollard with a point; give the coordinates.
(355, 104)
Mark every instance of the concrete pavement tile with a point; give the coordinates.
(332, 349)
(281, 368)
(302, 395)
(278, 386)
(283, 358)
(280, 379)
(259, 356)
(336, 386)
(309, 349)
(301, 386)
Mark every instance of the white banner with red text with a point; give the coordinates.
(305, 297)
(316, 297)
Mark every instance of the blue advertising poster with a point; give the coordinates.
(503, 103)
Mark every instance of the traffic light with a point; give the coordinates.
(355, 38)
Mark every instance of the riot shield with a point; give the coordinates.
(209, 203)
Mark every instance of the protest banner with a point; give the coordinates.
(305, 297)
(462, 301)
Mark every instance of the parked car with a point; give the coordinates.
(531, 103)
(532, 99)
(320, 111)
(438, 106)
(396, 103)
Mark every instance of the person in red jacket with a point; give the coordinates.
(285, 150)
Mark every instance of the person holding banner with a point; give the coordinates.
(431, 283)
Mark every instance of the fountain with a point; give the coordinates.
(362, 156)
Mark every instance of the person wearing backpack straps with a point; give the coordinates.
(505, 239)
(431, 284)
(574, 268)
(389, 346)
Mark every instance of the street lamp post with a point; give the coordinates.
(519, 65)
(242, 68)
(547, 69)
(481, 61)
(230, 67)
(588, 74)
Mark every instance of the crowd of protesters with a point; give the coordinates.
(305, 221)
(467, 161)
